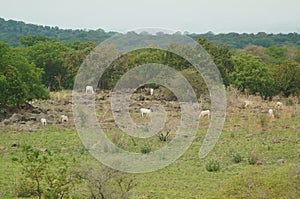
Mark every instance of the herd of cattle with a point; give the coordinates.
(147, 111)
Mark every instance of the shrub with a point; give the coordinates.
(213, 166)
(289, 102)
(236, 157)
(252, 158)
(103, 182)
(43, 174)
(263, 120)
(145, 149)
(164, 137)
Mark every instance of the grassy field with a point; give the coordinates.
(275, 143)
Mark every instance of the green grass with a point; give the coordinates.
(187, 177)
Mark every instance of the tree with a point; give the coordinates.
(31, 40)
(20, 80)
(73, 60)
(287, 77)
(49, 56)
(252, 74)
(221, 56)
(278, 54)
(44, 174)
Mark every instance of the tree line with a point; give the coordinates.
(12, 31)
(44, 64)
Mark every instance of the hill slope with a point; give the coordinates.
(12, 31)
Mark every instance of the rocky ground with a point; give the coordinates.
(28, 119)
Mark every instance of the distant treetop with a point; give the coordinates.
(12, 31)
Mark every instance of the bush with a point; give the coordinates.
(43, 174)
(213, 166)
(20, 80)
(164, 137)
(145, 149)
(104, 182)
(263, 120)
(252, 158)
(236, 157)
(289, 102)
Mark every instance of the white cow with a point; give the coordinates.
(271, 113)
(89, 89)
(44, 121)
(204, 113)
(279, 105)
(64, 118)
(151, 91)
(145, 111)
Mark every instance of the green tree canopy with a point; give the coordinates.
(49, 56)
(221, 56)
(252, 74)
(20, 80)
(287, 77)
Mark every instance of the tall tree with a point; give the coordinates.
(49, 56)
(287, 76)
(20, 80)
(222, 57)
(252, 74)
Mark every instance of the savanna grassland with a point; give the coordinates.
(256, 156)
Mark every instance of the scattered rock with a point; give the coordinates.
(6, 122)
(66, 102)
(280, 161)
(259, 162)
(117, 110)
(32, 118)
(42, 149)
(16, 118)
(249, 135)
(37, 110)
(276, 141)
(101, 98)
(109, 120)
(15, 144)
(3, 149)
(63, 149)
(141, 98)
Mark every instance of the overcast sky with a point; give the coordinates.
(198, 16)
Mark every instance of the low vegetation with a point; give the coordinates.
(257, 155)
(249, 160)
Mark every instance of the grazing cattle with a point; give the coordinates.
(151, 91)
(89, 89)
(271, 113)
(204, 113)
(64, 118)
(279, 105)
(44, 121)
(145, 111)
(32, 101)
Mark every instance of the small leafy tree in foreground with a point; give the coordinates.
(105, 183)
(44, 174)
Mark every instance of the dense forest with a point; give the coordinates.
(50, 60)
(12, 31)
(235, 40)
